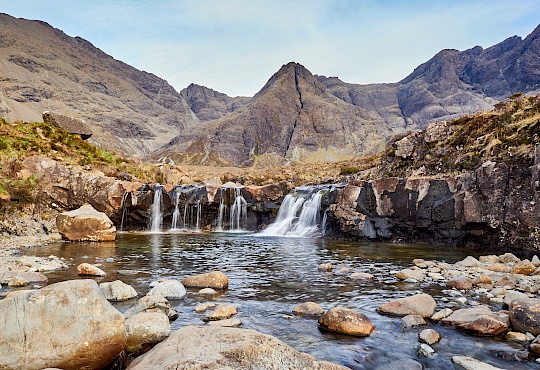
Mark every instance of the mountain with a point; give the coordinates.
(41, 68)
(296, 116)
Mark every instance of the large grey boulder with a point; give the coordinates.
(208, 347)
(170, 289)
(85, 223)
(69, 325)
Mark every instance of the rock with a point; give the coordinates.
(404, 363)
(17, 292)
(535, 345)
(203, 307)
(170, 289)
(524, 267)
(361, 275)
(439, 315)
(146, 328)
(17, 282)
(470, 363)
(308, 309)
(498, 267)
(228, 323)
(508, 258)
(469, 261)
(418, 275)
(208, 291)
(117, 291)
(223, 311)
(491, 259)
(214, 279)
(513, 295)
(88, 331)
(346, 321)
(482, 279)
(325, 267)
(429, 336)
(87, 269)
(508, 282)
(517, 337)
(153, 303)
(70, 124)
(535, 260)
(460, 283)
(419, 304)
(525, 315)
(207, 347)
(30, 276)
(411, 321)
(424, 350)
(85, 223)
(479, 320)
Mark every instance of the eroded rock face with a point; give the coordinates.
(214, 279)
(420, 304)
(85, 223)
(200, 347)
(346, 321)
(69, 325)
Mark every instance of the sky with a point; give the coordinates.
(234, 46)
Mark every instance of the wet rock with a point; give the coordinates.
(411, 321)
(535, 345)
(460, 283)
(419, 304)
(87, 269)
(325, 267)
(206, 347)
(214, 280)
(417, 275)
(170, 289)
(525, 315)
(424, 350)
(221, 312)
(508, 258)
(346, 321)
(208, 291)
(204, 306)
(401, 364)
(439, 315)
(85, 223)
(470, 363)
(228, 323)
(429, 336)
(17, 282)
(146, 328)
(524, 267)
(79, 312)
(117, 291)
(479, 320)
(511, 354)
(308, 309)
(152, 303)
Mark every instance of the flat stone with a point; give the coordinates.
(498, 267)
(87, 269)
(221, 312)
(308, 309)
(213, 279)
(419, 304)
(429, 336)
(405, 274)
(204, 306)
(228, 323)
(517, 337)
(208, 291)
(469, 363)
(362, 276)
(346, 321)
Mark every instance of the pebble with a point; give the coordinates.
(325, 267)
(429, 336)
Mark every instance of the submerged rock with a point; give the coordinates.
(88, 331)
(470, 363)
(207, 347)
(85, 223)
(346, 321)
(223, 311)
(419, 304)
(214, 280)
(308, 309)
(146, 328)
(228, 323)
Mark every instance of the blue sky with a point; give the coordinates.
(234, 46)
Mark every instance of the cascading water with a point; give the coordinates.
(222, 210)
(199, 213)
(238, 209)
(298, 215)
(124, 208)
(156, 210)
(176, 213)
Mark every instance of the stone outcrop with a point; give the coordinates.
(87, 224)
(198, 348)
(70, 124)
(69, 325)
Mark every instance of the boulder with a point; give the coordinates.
(308, 309)
(153, 303)
(146, 328)
(439, 315)
(214, 280)
(221, 312)
(228, 323)
(170, 289)
(85, 223)
(419, 304)
(117, 291)
(418, 275)
(508, 258)
(17, 282)
(524, 267)
(87, 269)
(204, 306)
(525, 315)
(429, 336)
(479, 320)
(70, 124)
(460, 283)
(411, 321)
(69, 325)
(346, 321)
(469, 363)
(207, 347)
(424, 350)
(512, 295)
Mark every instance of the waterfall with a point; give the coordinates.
(199, 213)
(176, 213)
(222, 210)
(324, 220)
(238, 210)
(156, 211)
(124, 208)
(298, 215)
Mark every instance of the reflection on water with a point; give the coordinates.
(269, 276)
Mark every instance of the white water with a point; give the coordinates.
(156, 210)
(238, 211)
(199, 213)
(297, 217)
(222, 210)
(124, 208)
(176, 213)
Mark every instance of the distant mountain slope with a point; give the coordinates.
(41, 68)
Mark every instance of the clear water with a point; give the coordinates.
(269, 276)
